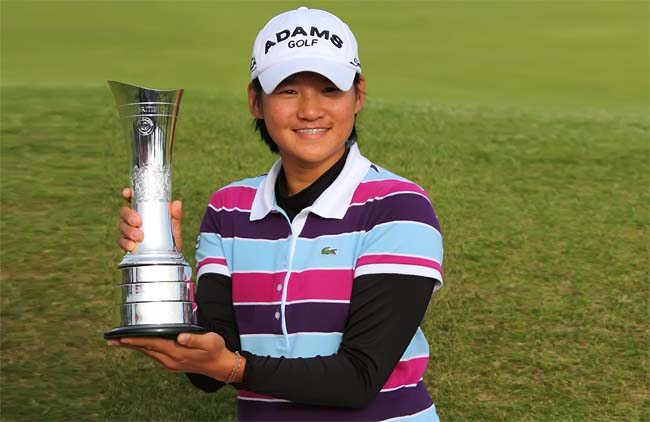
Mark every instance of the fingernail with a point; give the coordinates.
(183, 338)
(125, 340)
(112, 343)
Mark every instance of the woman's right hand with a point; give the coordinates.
(131, 222)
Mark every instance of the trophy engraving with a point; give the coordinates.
(157, 293)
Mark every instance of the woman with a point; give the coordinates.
(314, 278)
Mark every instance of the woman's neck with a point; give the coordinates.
(301, 176)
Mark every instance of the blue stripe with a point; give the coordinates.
(428, 415)
(211, 246)
(303, 345)
(383, 174)
(308, 253)
(417, 347)
(252, 182)
(405, 238)
(255, 255)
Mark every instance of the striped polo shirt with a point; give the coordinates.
(291, 281)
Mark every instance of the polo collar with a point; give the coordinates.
(332, 203)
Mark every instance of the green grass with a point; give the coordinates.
(540, 180)
(538, 55)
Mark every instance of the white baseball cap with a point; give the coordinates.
(305, 40)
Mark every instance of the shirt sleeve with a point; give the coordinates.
(403, 238)
(382, 306)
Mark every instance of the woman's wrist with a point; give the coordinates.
(230, 368)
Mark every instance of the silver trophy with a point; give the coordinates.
(157, 289)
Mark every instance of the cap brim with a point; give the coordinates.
(341, 75)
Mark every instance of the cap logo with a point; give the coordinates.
(314, 32)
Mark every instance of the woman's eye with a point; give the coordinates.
(330, 89)
(285, 91)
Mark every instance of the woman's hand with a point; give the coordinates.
(196, 353)
(131, 222)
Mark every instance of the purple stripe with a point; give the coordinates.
(401, 207)
(258, 319)
(236, 223)
(312, 317)
(391, 404)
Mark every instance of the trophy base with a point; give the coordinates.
(152, 330)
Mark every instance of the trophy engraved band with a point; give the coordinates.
(157, 291)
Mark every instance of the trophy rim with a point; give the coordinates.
(118, 84)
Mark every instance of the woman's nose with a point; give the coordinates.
(309, 107)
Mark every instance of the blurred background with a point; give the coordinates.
(526, 121)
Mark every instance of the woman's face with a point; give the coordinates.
(309, 118)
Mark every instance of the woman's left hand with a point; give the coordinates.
(196, 353)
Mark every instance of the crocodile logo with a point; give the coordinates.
(328, 251)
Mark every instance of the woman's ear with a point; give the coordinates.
(255, 102)
(361, 94)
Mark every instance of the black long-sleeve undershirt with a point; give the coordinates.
(385, 311)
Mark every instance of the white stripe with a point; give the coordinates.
(256, 303)
(228, 209)
(398, 269)
(213, 268)
(417, 223)
(384, 390)
(333, 333)
(414, 357)
(293, 302)
(256, 272)
(250, 239)
(322, 269)
(377, 198)
(236, 185)
(333, 236)
(292, 272)
(260, 399)
(399, 254)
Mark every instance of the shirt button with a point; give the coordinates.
(279, 287)
(277, 315)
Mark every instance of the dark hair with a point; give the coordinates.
(260, 125)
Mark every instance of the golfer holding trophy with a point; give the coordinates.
(313, 278)
(157, 290)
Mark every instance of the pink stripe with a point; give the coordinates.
(321, 284)
(381, 188)
(234, 197)
(306, 285)
(407, 372)
(205, 261)
(257, 287)
(250, 395)
(398, 259)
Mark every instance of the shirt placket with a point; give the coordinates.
(288, 262)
